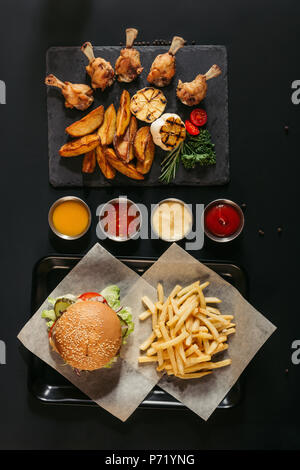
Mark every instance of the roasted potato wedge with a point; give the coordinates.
(140, 142)
(107, 131)
(108, 171)
(133, 127)
(149, 153)
(127, 170)
(89, 162)
(79, 146)
(123, 114)
(87, 124)
(124, 145)
(121, 146)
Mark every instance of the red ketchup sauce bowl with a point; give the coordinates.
(120, 219)
(223, 220)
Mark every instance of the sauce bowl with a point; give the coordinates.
(56, 204)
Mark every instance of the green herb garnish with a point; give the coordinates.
(195, 150)
(170, 164)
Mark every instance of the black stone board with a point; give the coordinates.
(68, 64)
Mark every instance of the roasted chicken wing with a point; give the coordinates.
(163, 68)
(99, 69)
(128, 65)
(191, 93)
(76, 95)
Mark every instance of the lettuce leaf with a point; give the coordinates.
(49, 314)
(125, 316)
(112, 296)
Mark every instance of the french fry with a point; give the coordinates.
(209, 325)
(201, 297)
(108, 171)
(171, 342)
(188, 288)
(149, 304)
(79, 146)
(148, 359)
(148, 342)
(145, 315)
(160, 293)
(87, 124)
(186, 332)
(89, 162)
(192, 349)
(108, 128)
(185, 314)
(151, 352)
(127, 170)
(193, 376)
(212, 300)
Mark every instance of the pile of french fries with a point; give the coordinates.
(186, 332)
(111, 139)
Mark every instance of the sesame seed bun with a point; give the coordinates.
(87, 335)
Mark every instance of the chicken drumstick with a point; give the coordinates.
(191, 93)
(76, 95)
(163, 68)
(128, 65)
(99, 69)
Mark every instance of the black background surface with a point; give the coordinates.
(263, 59)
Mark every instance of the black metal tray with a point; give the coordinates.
(49, 386)
(68, 63)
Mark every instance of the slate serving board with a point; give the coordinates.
(68, 64)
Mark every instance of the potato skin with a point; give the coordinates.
(140, 142)
(123, 114)
(108, 128)
(124, 145)
(87, 124)
(127, 170)
(79, 146)
(108, 171)
(145, 166)
(89, 162)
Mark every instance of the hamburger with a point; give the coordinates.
(87, 331)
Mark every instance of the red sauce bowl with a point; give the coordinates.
(223, 220)
(120, 219)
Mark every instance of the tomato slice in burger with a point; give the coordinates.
(92, 295)
(192, 130)
(198, 117)
(50, 331)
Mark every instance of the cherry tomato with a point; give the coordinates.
(198, 117)
(192, 130)
(91, 295)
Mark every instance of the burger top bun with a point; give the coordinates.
(87, 335)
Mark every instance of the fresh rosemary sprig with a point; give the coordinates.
(194, 150)
(170, 164)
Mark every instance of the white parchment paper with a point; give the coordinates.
(203, 395)
(122, 388)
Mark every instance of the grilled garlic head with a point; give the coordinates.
(148, 104)
(168, 131)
